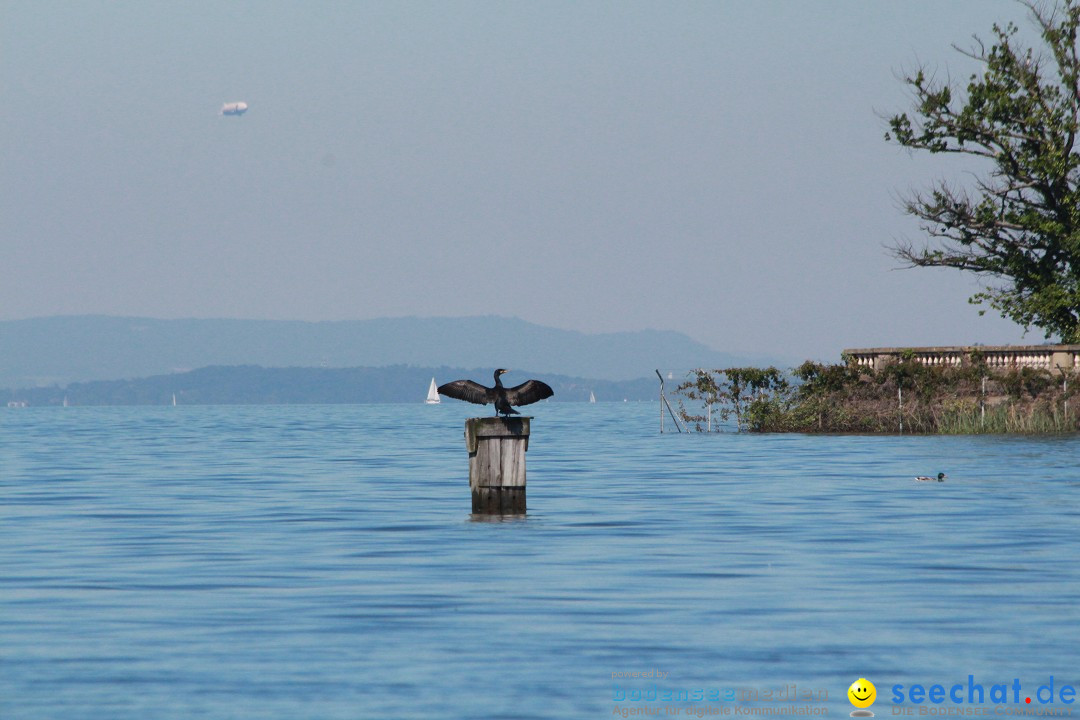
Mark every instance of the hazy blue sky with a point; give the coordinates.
(716, 168)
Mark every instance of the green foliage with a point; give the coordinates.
(1020, 223)
(818, 377)
(977, 360)
(1006, 419)
(912, 377)
(844, 398)
(1025, 382)
(739, 392)
(701, 386)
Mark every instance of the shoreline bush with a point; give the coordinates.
(904, 397)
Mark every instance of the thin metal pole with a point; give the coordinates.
(661, 401)
(664, 402)
(982, 404)
(673, 418)
(900, 396)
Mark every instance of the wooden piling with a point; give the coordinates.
(497, 447)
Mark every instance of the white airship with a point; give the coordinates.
(234, 108)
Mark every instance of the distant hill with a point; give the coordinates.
(250, 385)
(62, 350)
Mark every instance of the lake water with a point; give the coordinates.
(321, 562)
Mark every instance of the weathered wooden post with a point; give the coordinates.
(497, 447)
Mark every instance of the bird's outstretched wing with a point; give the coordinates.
(528, 392)
(468, 391)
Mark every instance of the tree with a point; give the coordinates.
(1019, 224)
(739, 392)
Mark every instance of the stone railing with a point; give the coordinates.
(1000, 358)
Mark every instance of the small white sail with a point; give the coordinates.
(174, 399)
(433, 393)
(592, 397)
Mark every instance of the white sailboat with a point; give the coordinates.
(592, 397)
(433, 394)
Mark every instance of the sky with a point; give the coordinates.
(714, 168)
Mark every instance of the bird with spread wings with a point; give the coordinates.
(504, 398)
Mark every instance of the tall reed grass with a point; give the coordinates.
(1006, 419)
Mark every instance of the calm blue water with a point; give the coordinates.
(321, 562)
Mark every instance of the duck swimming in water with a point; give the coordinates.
(940, 478)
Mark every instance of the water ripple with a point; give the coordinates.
(281, 562)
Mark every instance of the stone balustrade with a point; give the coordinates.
(1000, 358)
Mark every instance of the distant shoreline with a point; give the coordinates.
(256, 385)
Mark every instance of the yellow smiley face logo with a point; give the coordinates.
(862, 693)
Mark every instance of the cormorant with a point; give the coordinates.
(526, 393)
